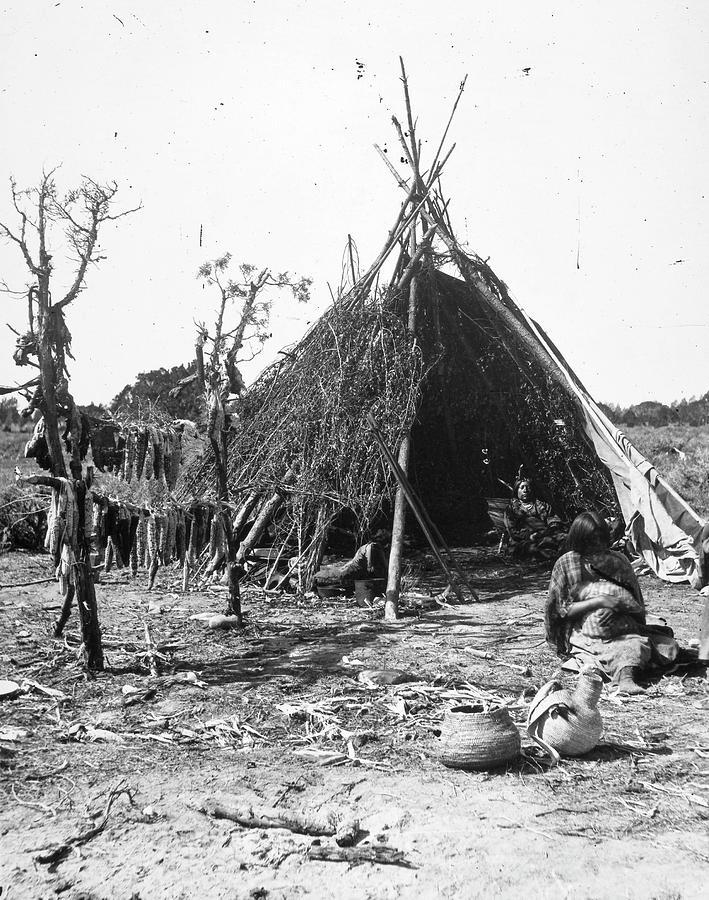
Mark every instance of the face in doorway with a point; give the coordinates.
(524, 492)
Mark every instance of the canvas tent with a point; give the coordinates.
(663, 528)
(463, 385)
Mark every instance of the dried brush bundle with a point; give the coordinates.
(308, 412)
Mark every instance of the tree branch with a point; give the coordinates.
(84, 236)
(7, 389)
(21, 244)
(120, 215)
(6, 289)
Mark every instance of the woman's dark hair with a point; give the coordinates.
(382, 536)
(516, 485)
(588, 532)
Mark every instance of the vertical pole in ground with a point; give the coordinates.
(391, 605)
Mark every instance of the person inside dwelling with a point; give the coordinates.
(370, 562)
(535, 531)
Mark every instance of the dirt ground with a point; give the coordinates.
(275, 716)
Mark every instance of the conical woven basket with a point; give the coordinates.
(475, 738)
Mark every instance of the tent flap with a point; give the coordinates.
(663, 528)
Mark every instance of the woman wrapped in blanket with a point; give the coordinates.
(370, 561)
(595, 609)
(534, 530)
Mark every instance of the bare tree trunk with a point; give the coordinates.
(88, 613)
(234, 574)
(220, 467)
(66, 610)
(233, 565)
(233, 569)
(83, 587)
(85, 591)
(51, 345)
(48, 380)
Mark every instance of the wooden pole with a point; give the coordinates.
(391, 605)
(270, 508)
(502, 308)
(431, 532)
(185, 575)
(244, 512)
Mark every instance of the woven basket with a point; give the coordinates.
(474, 738)
(566, 723)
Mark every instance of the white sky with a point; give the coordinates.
(248, 119)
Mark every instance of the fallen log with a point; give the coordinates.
(344, 829)
(371, 853)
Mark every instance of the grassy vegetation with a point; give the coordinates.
(12, 453)
(680, 454)
(22, 510)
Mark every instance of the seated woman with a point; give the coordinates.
(595, 609)
(534, 530)
(370, 561)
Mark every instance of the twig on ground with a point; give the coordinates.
(676, 792)
(639, 808)
(33, 804)
(290, 786)
(56, 854)
(566, 809)
(28, 583)
(557, 831)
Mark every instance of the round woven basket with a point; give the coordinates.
(475, 738)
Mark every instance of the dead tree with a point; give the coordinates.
(42, 216)
(218, 355)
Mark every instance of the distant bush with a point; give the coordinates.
(694, 411)
(23, 517)
(10, 418)
(153, 388)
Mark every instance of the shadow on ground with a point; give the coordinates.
(305, 653)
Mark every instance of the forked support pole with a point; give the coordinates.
(452, 571)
